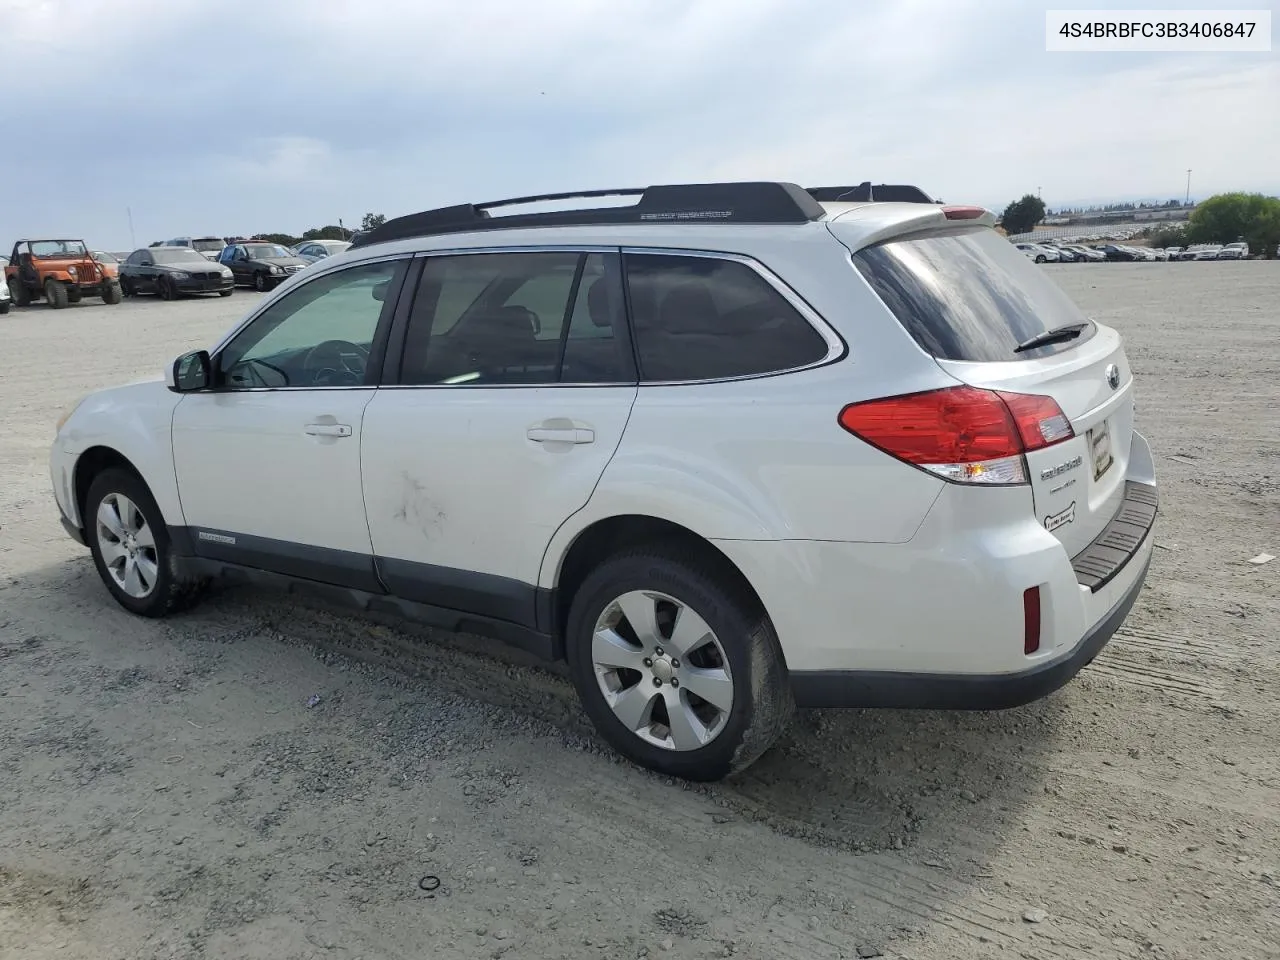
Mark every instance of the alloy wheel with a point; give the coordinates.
(128, 545)
(662, 670)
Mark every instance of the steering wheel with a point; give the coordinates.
(337, 363)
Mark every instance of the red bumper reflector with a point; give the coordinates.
(1030, 620)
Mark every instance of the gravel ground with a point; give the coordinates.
(166, 791)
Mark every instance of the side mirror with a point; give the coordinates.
(191, 371)
(380, 290)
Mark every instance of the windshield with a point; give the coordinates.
(965, 295)
(212, 246)
(177, 255)
(261, 251)
(58, 248)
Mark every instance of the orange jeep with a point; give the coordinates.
(61, 271)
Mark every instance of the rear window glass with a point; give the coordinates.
(969, 295)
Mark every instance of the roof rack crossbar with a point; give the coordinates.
(866, 193)
(759, 202)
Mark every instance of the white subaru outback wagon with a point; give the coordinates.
(730, 449)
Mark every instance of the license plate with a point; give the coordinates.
(1100, 448)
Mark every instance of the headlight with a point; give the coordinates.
(66, 415)
(72, 271)
(180, 275)
(226, 272)
(275, 269)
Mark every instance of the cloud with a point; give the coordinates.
(279, 116)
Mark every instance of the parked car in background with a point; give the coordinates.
(261, 265)
(60, 271)
(313, 250)
(6, 298)
(1037, 253)
(103, 257)
(171, 272)
(1171, 253)
(1115, 252)
(1234, 251)
(1065, 254)
(208, 247)
(1209, 251)
(1088, 254)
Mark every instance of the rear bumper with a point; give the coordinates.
(938, 622)
(925, 691)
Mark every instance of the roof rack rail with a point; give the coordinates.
(744, 202)
(866, 193)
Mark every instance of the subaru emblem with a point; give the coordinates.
(1113, 375)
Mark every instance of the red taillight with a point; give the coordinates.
(1041, 422)
(963, 212)
(1030, 620)
(963, 433)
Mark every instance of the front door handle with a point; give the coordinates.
(544, 433)
(328, 429)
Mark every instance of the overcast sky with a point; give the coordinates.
(230, 116)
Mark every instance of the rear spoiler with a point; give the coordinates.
(866, 193)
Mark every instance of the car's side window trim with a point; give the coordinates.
(377, 349)
(391, 379)
(837, 349)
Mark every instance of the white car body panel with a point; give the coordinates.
(472, 491)
(246, 465)
(134, 420)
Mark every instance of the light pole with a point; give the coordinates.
(1187, 201)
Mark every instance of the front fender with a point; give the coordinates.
(134, 421)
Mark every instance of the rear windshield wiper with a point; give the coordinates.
(1068, 331)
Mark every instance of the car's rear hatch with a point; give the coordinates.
(970, 298)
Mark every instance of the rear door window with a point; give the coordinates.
(969, 295)
(709, 318)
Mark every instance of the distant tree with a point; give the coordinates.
(1228, 217)
(1021, 215)
(331, 232)
(283, 239)
(372, 221)
(1169, 236)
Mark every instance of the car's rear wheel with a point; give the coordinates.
(131, 547)
(677, 665)
(55, 293)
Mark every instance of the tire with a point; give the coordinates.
(21, 295)
(55, 293)
(111, 292)
(757, 701)
(4, 308)
(74, 295)
(226, 293)
(1040, 258)
(260, 282)
(126, 287)
(154, 589)
(164, 289)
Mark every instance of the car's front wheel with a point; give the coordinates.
(131, 547)
(676, 664)
(55, 294)
(4, 307)
(260, 282)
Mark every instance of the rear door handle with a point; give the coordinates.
(561, 434)
(328, 429)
